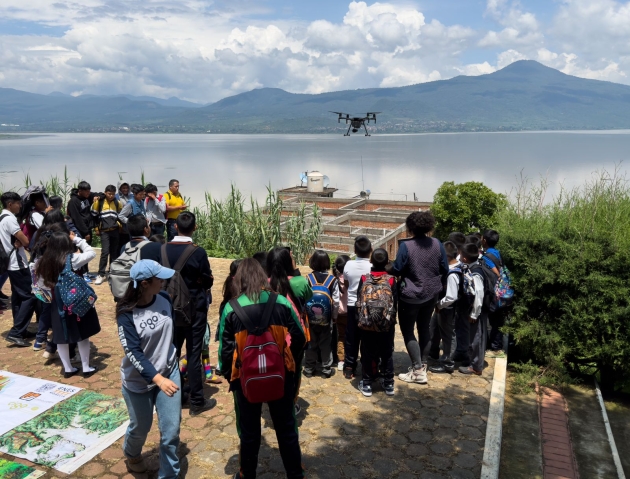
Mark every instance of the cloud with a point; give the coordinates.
(203, 51)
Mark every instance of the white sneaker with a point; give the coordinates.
(340, 366)
(100, 280)
(418, 376)
(49, 355)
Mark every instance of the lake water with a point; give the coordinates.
(394, 166)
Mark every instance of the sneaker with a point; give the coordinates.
(38, 346)
(348, 373)
(388, 388)
(340, 366)
(100, 279)
(366, 390)
(298, 409)
(136, 464)
(87, 278)
(206, 406)
(326, 374)
(307, 374)
(418, 376)
(49, 355)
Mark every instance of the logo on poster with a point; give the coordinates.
(29, 396)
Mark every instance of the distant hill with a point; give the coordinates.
(523, 96)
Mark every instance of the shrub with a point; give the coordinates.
(465, 207)
(570, 261)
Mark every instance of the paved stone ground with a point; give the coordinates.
(433, 431)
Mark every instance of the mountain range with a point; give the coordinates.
(525, 95)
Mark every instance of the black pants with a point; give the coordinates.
(462, 335)
(377, 346)
(171, 232)
(353, 340)
(22, 301)
(193, 335)
(412, 316)
(497, 321)
(478, 337)
(443, 328)
(249, 430)
(109, 250)
(157, 228)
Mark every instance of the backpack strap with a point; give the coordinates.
(497, 262)
(165, 262)
(264, 322)
(181, 261)
(312, 279)
(329, 281)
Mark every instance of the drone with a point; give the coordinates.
(356, 121)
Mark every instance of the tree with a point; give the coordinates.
(465, 207)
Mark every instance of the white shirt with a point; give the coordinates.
(452, 290)
(352, 272)
(8, 227)
(479, 292)
(37, 219)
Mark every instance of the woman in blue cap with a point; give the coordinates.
(149, 370)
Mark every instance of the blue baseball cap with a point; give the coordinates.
(147, 269)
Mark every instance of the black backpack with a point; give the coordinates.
(489, 282)
(5, 257)
(183, 304)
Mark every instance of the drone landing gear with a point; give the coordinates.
(366, 132)
(348, 132)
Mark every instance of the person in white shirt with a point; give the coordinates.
(443, 320)
(478, 317)
(14, 243)
(352, 273)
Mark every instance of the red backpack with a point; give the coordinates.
(262, 362)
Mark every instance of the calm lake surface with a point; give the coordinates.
(393, 165)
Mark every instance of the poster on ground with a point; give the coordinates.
(23, 398)
(69, 434)
(13, 470)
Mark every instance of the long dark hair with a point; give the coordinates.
(53, 216)
(44, 234)
(227, 286)
(279, 268)
(52, 262)
(130, 299)
(250, 279)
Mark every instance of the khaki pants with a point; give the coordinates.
(342, 322)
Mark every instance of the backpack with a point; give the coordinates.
(489, 281)
(119, 278)
(75, 294)
(183, 306)
(466, 290)
(262, 361)
(5, 256)
(375, 304)
(503, 289)
(319, 307)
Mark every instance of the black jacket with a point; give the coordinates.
(80, 210)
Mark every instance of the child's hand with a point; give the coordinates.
(472, 320)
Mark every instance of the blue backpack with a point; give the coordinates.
(319, 307)
(72, 290)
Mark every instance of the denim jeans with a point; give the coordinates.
(169, 414)
(171, 232)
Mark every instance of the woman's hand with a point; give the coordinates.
(168, 387)
(72, 236)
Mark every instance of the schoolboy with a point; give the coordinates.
(445, 314)
(155, 206)
(14, 243)
(105, 213)
(352, 273)
(134, 206)
(321, 334)
(79, 209)
(492, 258)
(378, 347)
(458, 238)
(479, 314)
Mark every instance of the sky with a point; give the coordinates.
(204, 50)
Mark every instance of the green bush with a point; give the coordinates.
(465, 207)
(570, 260)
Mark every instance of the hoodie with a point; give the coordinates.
(79, 209)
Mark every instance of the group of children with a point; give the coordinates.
(350, 307)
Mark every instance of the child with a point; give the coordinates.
(352, 273)
(492, 258)
(377, 346)
(445, 314)
(342, 313)
(158, 239)
(155, 206)
(321, 310)
(105, 214)
(134, 206)
(56, 202)
(479, 313)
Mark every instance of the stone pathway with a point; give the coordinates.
(429, 431)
